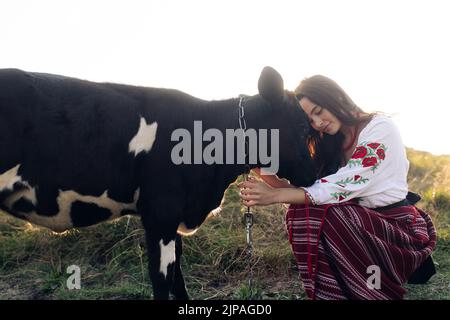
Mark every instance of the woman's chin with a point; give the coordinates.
(331, 131)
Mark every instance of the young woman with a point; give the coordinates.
(353, 232)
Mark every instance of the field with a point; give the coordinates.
(113, 262)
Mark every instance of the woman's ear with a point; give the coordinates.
(271, 86)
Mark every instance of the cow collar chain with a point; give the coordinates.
(248, 214)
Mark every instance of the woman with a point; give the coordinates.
(353, 233)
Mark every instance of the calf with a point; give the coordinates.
(74, 153)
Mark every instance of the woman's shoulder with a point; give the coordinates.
(381, 118)
(380, 124)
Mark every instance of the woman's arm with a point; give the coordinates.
(272, 180)
(379, 159)
(259, 193)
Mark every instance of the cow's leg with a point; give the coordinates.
(161, 216)
(179, 287)
(161, 255)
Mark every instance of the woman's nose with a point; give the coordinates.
(317, 122)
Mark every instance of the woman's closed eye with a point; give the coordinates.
(317, 112)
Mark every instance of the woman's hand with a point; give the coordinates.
(255, 193)
(272, 180)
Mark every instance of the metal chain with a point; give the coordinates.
(248, 214)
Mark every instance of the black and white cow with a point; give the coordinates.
(74, 153)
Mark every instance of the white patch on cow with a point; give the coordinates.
(8, 178)
(29, 193)
(7, 181)
(62, 220)
(144, 138)
(66, 198)
(167, 256)
(185, 231)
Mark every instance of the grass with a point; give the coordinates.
(113, 262)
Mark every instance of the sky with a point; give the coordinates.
(388, 55)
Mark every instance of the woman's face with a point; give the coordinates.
(321, 119)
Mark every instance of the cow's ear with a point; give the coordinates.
(270, 85)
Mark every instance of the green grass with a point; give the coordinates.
(429, 175)
(438, 288)
(113, 262)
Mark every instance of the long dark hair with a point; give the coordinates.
(327, 150)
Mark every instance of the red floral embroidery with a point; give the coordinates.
(369, 162)
(341, 195)
(374, 145)
(360, 152)
(323, 180)
(366, 155)
(381, 154)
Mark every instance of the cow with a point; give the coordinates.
(74, 153)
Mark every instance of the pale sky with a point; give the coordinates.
(389, 55)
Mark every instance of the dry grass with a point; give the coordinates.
(113, 262)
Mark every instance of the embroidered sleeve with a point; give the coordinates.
(365, 173)
(308, 195)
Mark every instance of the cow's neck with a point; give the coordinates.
(221, 115)
(224, 115)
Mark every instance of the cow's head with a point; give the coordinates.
(276, 108)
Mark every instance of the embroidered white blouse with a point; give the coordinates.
(376, 174)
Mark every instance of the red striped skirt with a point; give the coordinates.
(340, 248)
